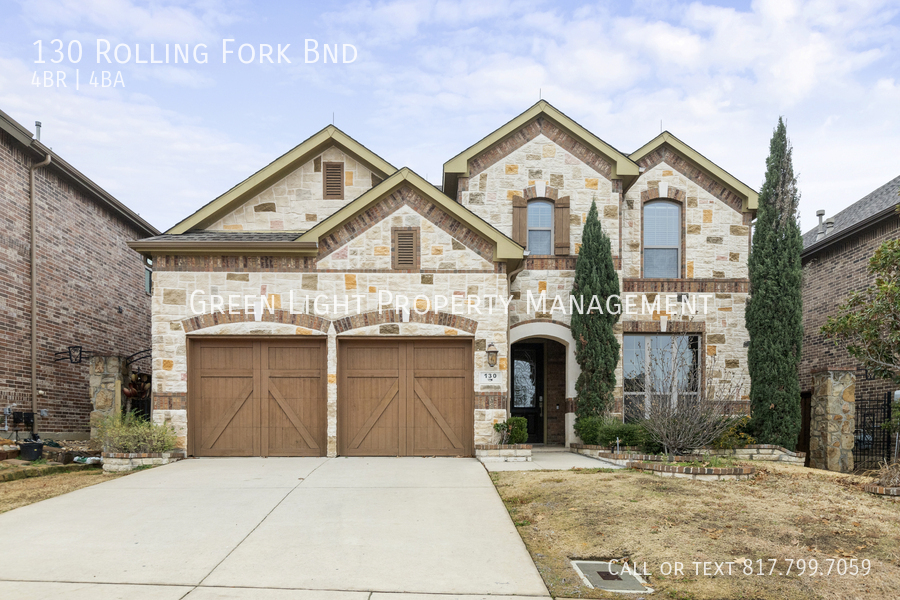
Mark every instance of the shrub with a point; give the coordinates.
(888, 475)
(512, 431)
(131, 432)
(735, 436)
(603, 431)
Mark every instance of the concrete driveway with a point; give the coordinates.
(277, 528)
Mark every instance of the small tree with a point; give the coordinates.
(596, 347)
(681, 406)
(774, 315)
(868, 323)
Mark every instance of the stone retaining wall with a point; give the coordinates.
(503, 452)
(116, 461)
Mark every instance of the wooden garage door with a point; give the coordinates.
(258, 397)
(405, 398)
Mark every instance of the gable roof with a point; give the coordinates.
(280, 168)
(872, 207)
(70, 173)
(751, 197)
(458, 166)
(505, 249)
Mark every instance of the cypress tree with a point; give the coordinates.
(596, 347)
(774, 313)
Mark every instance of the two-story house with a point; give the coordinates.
(332, 304)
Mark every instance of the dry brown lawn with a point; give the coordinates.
(21, 492)
(785, 513)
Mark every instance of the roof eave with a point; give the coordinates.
(751, 196)
(278, 169)
(623, 166)
(256, 248)
(505, 249)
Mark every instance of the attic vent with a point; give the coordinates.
(333, 181)
(405, 248)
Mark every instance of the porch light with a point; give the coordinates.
(492, 353)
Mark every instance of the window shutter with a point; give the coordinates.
(333, 181)
(561, 226)
(520, 221)
(405, 249)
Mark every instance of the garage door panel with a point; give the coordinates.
(428, 410)
(283, 385)
(232, 423)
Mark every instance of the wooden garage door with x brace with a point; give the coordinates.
(257, 397)
(405, 398)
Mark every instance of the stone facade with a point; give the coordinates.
(295, 203)
(106, 376)
(542, 159)
(90, 285)
(832, 420)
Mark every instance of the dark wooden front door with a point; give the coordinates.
(528, 388)
(405, 398)
(258, 397)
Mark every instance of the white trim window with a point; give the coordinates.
(662, 240)
(540, 227)
(660, 365)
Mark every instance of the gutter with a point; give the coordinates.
(31, 201)
(219, 247)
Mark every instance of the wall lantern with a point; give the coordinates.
(492, 353)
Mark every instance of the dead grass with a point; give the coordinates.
(786, 513)
(22, 492)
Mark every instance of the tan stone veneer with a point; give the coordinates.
(832, 420)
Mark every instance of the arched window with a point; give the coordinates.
(662, 239)
(540, 227)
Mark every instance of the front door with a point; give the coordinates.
(528, 388)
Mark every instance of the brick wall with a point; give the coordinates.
(828, 276)
(86, 272)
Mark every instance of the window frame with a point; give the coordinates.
(679, 245)
(529, 229)
(647, 349)
(148, 276)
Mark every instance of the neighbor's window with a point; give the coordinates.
(148, 275)
(333, 181)
(661, 365)
(662, 239)
(540, 227)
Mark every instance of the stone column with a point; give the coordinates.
(106, 376)
(832, 420)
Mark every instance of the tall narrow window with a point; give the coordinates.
(662, 240)
(540, 227)
(148, 275)
(405, 248)
(333, 181)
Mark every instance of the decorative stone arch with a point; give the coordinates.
(284, 317)
(375, 317)
(663, 191)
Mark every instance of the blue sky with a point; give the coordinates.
(431, 78)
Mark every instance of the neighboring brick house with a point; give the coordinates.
(244, 364)
(90, 284)
(835, 262)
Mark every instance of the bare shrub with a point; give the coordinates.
(888, 475)
(681, 403)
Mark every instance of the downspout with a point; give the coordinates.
(34, 408)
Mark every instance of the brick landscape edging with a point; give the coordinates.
(114, 462)
(881, 490)
(702, 473)
(503, 452)
(766, 452)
